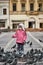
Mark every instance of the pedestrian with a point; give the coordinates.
(20, 36)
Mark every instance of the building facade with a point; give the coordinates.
(28, 12)
(4, 14)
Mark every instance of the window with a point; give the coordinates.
(15, 25)
(23, 6)
(4, 11)
(2, 24)
(14, 6)
(31, 7)
(41, 25)
(40, 6)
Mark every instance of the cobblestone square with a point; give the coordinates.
(6, 41)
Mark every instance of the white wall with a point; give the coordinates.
(4, 4)
(25, 18)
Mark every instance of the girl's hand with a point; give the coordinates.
(24, 41)
(12, 36)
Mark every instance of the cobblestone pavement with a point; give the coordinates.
(38, 35)
(6, 41)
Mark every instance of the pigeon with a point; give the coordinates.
(9, 60)
(31, 51)
(39, 56)
(2, 50)
(0, 47)
(40, 40)
(35, 51)
(14, 62)
(30, 61)
(39, 51)
(30, 44)
(42, 49)
(14, 46)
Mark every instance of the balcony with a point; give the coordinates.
(26, 12)
(40, 12)
(33, 12)
(17, 12)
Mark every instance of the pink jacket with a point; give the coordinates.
(20, 36)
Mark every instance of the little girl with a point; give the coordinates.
(20, 36)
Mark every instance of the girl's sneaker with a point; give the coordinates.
(17, 52)
(22, 55)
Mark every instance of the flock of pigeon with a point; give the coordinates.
(11, 58)
(33, 56)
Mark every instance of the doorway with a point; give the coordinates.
(31, 24)
(41, 25)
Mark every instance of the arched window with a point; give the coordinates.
(32, 23)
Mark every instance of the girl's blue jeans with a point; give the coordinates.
(20, 48)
